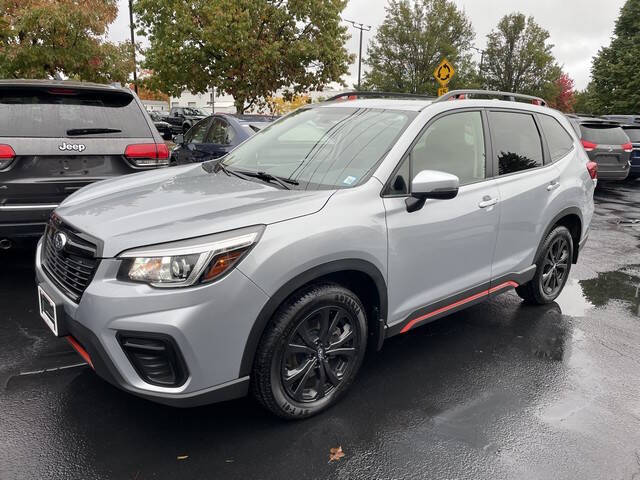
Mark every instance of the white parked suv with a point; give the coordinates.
(336, 227)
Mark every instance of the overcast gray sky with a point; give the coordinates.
(578, 27)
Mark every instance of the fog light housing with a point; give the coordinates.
(155, 357)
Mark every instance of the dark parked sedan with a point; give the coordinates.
(163, 127)
(216, 136)
(633, 132)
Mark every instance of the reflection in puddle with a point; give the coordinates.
(623, 284)
(572, 300)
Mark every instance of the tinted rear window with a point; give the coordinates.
(51, 112)
(516, 141)
(633, 134)
(603, 134)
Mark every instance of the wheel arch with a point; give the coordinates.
(361, 276)
(571, 218)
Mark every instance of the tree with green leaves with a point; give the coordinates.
(584, 101)
(412, 40)
(40, 39)
(615, 84)
(247, 48)
(518, 58)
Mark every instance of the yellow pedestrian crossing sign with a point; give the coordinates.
(444, 72)
(442, 91)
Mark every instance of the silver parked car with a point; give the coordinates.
(334, 228)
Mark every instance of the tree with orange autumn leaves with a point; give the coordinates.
(52, 38)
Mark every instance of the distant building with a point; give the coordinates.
(224, 103)
(205, 101)
(156, 105)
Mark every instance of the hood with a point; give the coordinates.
(177, 203)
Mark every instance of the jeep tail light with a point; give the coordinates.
(588, 146)
(592, 168)
(147, 154)
(627, 147)
(6, 156)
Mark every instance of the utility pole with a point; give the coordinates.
(361, 27)
(133, 46)
(479, 50)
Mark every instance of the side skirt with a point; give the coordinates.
(461, 300)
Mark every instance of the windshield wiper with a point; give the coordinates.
(250, 175)
(267, 177)
(88, 131)
(221, 166)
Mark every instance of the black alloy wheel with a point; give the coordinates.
(552, 268)
(555, 266)
(319, 353)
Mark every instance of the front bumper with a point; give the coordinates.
(210, 325)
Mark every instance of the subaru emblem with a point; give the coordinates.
(59, 240)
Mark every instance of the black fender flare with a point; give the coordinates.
(299, 281)
(560, 215)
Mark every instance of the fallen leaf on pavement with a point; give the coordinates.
(335, 454)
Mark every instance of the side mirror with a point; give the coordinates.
(178, 139)
(431, 184)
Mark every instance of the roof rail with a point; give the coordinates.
(511, 97)
(376, 94)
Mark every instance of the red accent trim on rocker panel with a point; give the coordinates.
(81, 351)
(451, 306)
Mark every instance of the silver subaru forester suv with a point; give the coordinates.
(342, 224)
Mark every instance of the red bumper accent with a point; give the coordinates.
(81, 351)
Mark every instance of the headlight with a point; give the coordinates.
(188, 262)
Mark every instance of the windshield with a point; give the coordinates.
(604, 134)
(327, 147)
(194, 111)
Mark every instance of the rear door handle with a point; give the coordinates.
(487, 202)
(553, 185)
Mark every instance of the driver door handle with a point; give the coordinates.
(487, 201)
(553, 185)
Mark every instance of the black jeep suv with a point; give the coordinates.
(58, 136)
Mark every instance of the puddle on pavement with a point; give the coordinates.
(623, 284)
(573, 301)
(579, 296)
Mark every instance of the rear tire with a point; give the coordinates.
(311, 351)
(553, 266)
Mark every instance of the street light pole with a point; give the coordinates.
(133, 46)
(362, 27)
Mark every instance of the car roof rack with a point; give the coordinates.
(508, 96)
(376, 94)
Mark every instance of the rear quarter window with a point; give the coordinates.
(558, 140)
(51, 112)
(603, 134)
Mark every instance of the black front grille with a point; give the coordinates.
(71, 267)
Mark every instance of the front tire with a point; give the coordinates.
(311, 352)
(552, 268)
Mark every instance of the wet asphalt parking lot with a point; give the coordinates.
(501, 390)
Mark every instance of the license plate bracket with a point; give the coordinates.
(51, 312)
